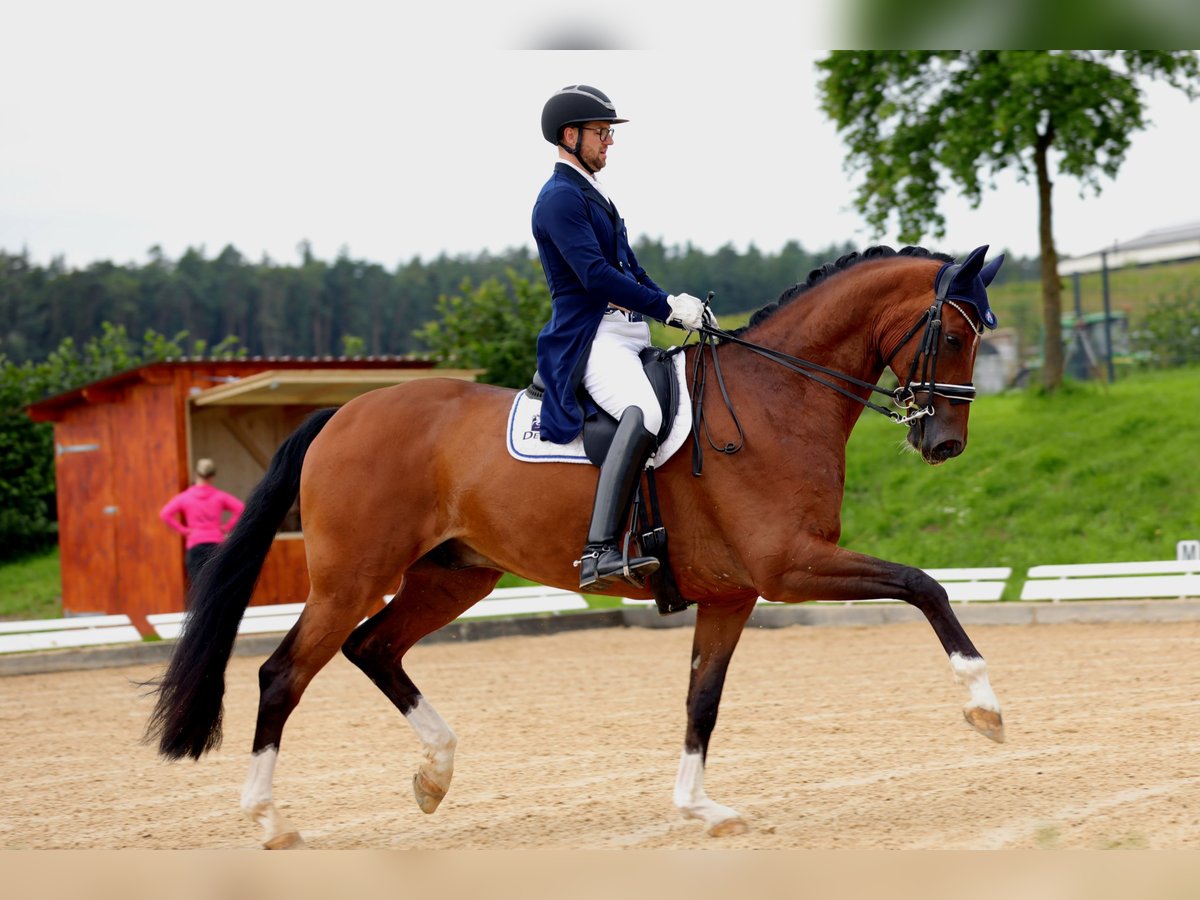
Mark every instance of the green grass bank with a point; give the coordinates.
(30, 588)
(1089, 474)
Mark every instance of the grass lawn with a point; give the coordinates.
(1093, 473)
(30, 588)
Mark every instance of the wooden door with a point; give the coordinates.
(87, 514)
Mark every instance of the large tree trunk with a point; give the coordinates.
(1052, 367)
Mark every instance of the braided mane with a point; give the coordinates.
(829, 270)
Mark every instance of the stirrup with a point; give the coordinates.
(648, 567)
(620, 567)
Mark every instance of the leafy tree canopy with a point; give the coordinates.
(493, 326)
(916, 122)
(912, 117)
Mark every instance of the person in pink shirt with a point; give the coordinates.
(198, 514)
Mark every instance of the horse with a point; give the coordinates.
(408, 490)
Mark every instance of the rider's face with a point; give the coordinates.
(594, 150)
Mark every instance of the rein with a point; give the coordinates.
(904, 396)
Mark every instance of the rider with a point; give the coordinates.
(596, 328)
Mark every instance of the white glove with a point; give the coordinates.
(686, 311)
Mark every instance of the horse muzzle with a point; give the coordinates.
(935, 442)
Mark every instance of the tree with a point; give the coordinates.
(27, 504)
(911, 117)
(492, 327)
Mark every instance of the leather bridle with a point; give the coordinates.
(904, 396)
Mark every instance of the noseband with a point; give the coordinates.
(904, 396)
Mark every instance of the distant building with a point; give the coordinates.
(996, 365)
(1173, 244)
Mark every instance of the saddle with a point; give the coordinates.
(599, 426)
(598, 430)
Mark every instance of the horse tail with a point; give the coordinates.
(187, 716)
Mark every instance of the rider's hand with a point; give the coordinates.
(710, 321)
(686, 311)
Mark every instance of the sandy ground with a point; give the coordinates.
(828, 738)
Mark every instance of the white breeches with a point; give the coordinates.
(614, 375)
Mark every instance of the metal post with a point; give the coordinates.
(1079, 352)
(1108, 347)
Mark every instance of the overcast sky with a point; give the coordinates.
(255, 126)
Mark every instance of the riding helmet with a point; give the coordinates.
(574, 104)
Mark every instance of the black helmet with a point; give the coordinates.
(573, 104)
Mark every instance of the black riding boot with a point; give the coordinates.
(602, 561)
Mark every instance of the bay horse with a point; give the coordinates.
(410, 489)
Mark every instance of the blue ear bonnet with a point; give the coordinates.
(967, 282)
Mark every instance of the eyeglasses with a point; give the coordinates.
(604, 133)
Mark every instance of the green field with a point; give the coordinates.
(1090, 474)
(29, 588)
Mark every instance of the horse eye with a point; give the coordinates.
(953, 341)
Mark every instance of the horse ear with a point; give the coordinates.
(988, 272)
(972, 264)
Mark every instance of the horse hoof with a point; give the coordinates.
(728, 828)
(428, 794)
(289, 840)
(986, 722)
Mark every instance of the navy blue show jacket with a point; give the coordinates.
(585, 254)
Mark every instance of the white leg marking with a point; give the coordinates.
(972, 671)
(259, 805)
(438, 742)
(694, 803)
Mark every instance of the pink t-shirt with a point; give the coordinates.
(202, 507)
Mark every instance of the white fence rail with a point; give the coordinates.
(516, 601)
(84, 631)
(1154, 579)
(1114, 581)
(77, 631)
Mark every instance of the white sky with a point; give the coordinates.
(125, 124)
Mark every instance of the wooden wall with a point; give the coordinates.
(144, 472)
(117, 555)
(124, 455)
(87, 526)
(285, 573)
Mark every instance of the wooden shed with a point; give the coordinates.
(126, 444)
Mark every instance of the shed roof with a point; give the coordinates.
(1171, 244)
(317, 387)
(341, 378)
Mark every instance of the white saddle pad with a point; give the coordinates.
(525, 430)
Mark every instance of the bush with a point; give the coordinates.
(1170, 332)
(493, 326)
(27, 500)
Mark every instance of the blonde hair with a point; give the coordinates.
(206, 468)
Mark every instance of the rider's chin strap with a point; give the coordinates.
(575, 152)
